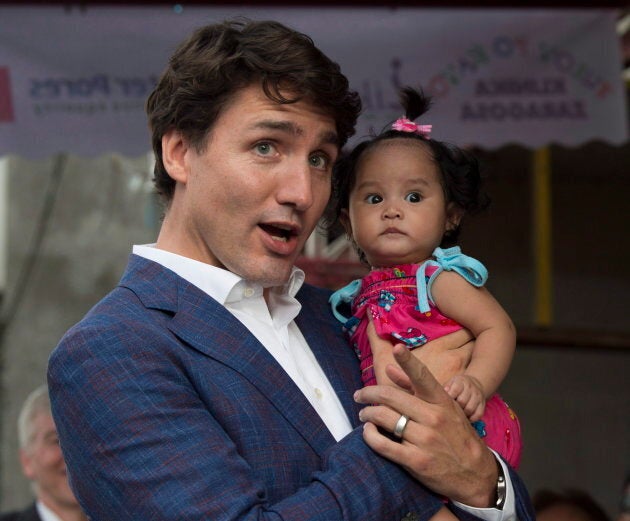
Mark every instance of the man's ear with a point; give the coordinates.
(174, 155)
(454, 215)
(27, 467)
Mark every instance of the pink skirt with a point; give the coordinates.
(501, 431)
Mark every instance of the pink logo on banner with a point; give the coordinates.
(6, 105)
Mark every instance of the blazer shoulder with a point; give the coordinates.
(146, 294)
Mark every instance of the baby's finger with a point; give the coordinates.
(470, 407)
(464, 396)
(452, 393)
(454, 387)
(477, 414)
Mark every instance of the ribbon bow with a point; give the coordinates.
(406, 125)
(450, 259)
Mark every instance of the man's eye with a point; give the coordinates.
(319, 161)
(413, 197)
(373, 199)
(264, 149)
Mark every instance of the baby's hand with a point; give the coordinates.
(468, 393)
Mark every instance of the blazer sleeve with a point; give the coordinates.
(148, 434)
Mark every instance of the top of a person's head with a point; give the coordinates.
(217, 61)
(573, 499)
(458, 170)
(37, 402)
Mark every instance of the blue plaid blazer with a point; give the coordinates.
(169, 409)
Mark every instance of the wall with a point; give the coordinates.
(93, 211)
(573, 406)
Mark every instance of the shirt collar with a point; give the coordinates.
(222, 285)
(46, 513)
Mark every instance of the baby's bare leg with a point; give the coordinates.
(382, 356)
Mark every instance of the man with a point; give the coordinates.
(43, 464)
(212, 383)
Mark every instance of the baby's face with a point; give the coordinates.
(397, 209)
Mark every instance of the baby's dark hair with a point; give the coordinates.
(459, 170)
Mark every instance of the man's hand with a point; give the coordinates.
(439, 447)
(467, 391)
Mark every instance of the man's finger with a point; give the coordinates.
(399, 377)
(425, 386)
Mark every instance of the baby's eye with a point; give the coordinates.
(373, 199)
(319, 161)
(264, 148)
(413, 197)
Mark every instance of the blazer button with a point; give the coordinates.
(410, 516)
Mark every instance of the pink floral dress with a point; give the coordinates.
(399, 301)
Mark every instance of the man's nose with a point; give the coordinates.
(296, 188)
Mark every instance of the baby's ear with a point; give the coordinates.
(345, 222)
(454, 215)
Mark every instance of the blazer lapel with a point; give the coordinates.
(324, 335)
(208, 327)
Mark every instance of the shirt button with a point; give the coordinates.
(319, 393)
(248, 292)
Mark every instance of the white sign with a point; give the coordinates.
(76, 79)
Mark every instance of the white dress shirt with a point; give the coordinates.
(45, 513)
(273, 325)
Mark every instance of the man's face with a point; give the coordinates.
(43, 464)
(251, 198)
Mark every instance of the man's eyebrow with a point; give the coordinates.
(290, 127)
(331, 138)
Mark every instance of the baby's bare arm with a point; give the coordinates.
(477, 310)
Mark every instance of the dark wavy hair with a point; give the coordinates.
(459, 170)
(216, 61)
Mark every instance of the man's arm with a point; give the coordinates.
(153, 429)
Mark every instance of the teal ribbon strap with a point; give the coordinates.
(450, 259)
(344, 295)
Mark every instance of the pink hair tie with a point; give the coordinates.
(406, 125)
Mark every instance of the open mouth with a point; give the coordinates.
(278, 232)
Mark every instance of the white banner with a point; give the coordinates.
(75, 79)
